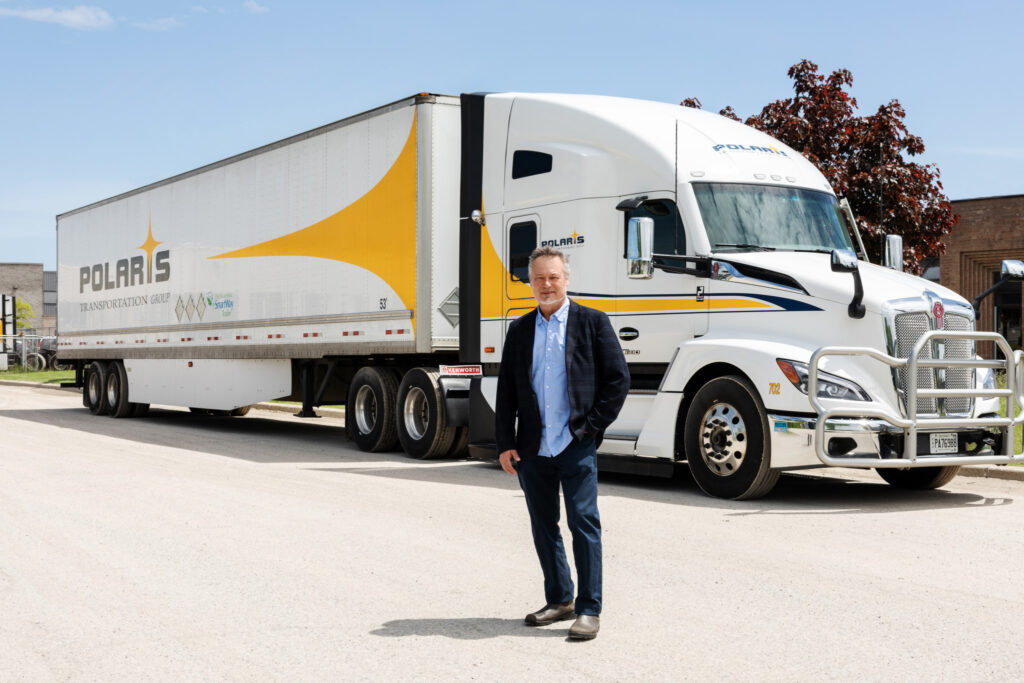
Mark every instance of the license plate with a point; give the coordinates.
(942, 443)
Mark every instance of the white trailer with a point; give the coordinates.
(380, 259)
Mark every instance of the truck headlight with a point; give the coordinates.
(829, 385)
(986, 378)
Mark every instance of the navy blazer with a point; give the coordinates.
(595, 368)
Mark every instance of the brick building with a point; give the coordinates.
(991, 229)
(24, 281)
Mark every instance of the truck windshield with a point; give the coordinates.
(740, 217)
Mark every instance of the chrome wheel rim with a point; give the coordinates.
(94, 388)
(112, 390)
(366, 409)
(415, 413)
(723, 439)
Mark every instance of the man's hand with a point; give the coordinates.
(506, 459)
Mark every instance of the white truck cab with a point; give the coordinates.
(756, 339)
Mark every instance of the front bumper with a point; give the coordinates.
(874, 443)
(904, 440)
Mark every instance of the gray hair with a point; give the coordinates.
(549, 251)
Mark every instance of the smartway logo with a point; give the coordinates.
(155, 266)
(749, 148)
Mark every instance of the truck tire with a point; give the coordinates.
(460, 443)
(726, 440)
(422, 424)
(370, 409)
(919, 478)
(95, 390)
(117, 391)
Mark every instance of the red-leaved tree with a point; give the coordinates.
(865, 158)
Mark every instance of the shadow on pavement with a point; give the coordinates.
(467, 629)
(323, 445)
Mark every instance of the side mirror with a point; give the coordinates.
(640, 248)
(892, 253)
(845, 261)
(1012, 270)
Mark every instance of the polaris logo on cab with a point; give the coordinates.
(572, 240)
(749, 148)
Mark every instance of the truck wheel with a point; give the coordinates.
(726, 441)
(422, 425)
(117, 391)
(95, 390)
(919, 478)
(370, 409)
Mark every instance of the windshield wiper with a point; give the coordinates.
(756, 247)
(814, 251)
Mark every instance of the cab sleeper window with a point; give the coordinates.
(669, 237)
(526, 163)
(522, 240)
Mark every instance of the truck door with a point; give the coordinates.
(521, 238)
(653, 316)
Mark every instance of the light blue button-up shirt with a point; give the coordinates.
(550, 382)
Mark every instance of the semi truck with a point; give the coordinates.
(377, 262)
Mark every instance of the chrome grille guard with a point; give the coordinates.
(912, 423)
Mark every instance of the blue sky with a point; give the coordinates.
(101, 98)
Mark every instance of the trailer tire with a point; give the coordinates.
(117, 390)
(422, 424)
(726, 440)
(370, 409)
(919, 478)
(95, 389)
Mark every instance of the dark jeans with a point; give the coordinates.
(575, 469)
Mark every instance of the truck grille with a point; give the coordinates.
(909, 328)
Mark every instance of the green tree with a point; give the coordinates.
(865, 158)
(24, 315)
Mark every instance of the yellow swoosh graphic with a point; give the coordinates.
(644, 305)
(376, 232)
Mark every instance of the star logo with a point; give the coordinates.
(148, 246)
(574, 236)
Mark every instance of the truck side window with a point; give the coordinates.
(522, 240)
(669, 236)
(526, 163)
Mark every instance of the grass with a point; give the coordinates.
(44, 376)
(1001, 382)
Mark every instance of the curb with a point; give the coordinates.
(294, 408)
(1006, 472)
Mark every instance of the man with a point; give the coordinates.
(563, 375)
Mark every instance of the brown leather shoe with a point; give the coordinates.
(549, 614)
(585, 627)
